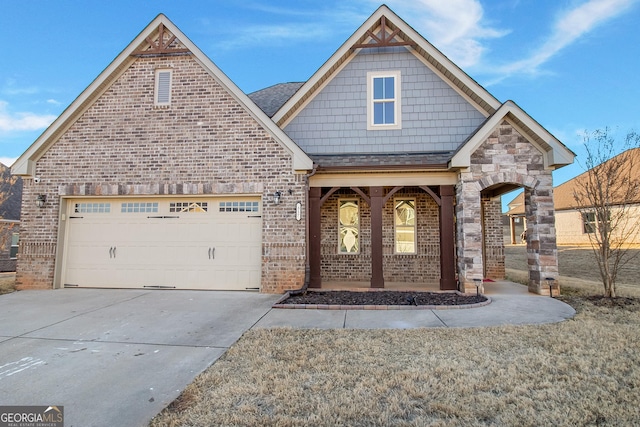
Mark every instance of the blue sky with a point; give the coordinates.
(573, 65)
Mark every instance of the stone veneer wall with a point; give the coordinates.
(204, 143)
(423, 267)
(506, 157)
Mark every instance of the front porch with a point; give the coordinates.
(384, 237)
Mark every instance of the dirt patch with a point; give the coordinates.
(383, 298)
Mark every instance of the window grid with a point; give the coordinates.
(188, 207)
(588, 222)
(384, 100)
(92, 208)
(239, 206)
(135, 207)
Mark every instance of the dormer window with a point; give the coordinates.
(383, 93)
(163, 88)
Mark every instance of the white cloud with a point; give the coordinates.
(22, 121)
(456, 27)
(568, 27)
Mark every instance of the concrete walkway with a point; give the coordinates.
(511, 304)
(118, 357)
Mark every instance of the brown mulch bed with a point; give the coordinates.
(383, 298)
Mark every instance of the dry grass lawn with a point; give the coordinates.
(584, 371)
(7, 283)
(576, 262)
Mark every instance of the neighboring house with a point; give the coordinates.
(10, 199)
(386, 166)
(573, 225)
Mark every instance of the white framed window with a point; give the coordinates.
(348, 226)
(383, 100)
(405, 226)
(162, 97)
(588, 222)
(13, 252)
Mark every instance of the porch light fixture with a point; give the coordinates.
(41, 200)
(276, 197)
(550, 281)
(478, 283)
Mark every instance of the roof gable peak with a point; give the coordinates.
(387, 37)
(386, 29)
(164, 42)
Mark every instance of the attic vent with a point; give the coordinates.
(163, 88)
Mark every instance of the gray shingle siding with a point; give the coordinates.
(434, 116)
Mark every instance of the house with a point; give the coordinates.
(10, 196)
(385, 167)
(574, 222)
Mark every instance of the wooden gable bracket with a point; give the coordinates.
(160, 48)
(386, 40)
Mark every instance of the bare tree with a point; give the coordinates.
(608, 198)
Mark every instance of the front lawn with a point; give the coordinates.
(584, 371)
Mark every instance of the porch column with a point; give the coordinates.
(315, 242)
(377, 272)
(447, 239)
(469, 235)
(542, 252)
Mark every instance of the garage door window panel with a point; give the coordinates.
(239, 206)
(188, 207)
(139, 207)
(92, 208)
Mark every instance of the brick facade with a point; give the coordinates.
(204, 143)
(506, 157)
(422, 267)
(493, 238)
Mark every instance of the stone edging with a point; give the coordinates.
(279, 304)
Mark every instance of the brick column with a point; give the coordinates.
(314, 241)
(377, 272)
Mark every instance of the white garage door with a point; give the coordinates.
(156, 243)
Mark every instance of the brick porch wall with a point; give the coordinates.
(423, 267)
(205, 143)
(493, 239)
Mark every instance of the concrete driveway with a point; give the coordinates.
(115, 357)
